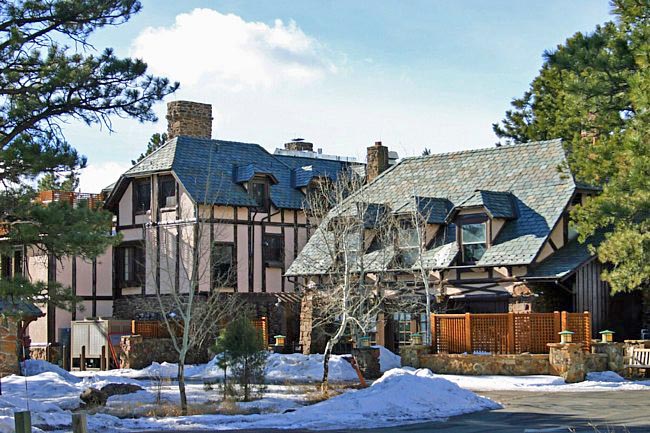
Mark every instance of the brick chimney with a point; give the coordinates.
(377, 160)
(189, 118)
(299, 144)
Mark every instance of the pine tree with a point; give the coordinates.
(155, 142)
(49, 75)
(593, 91)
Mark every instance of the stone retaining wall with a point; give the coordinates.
(568, 361)
(507, 365)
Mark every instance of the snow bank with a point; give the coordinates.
(297, 367)
(32, 367)
(388, 359)
(400, 396)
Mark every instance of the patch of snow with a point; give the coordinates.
(297, 367)
(605, 376)
(387, 359)
(32, 367)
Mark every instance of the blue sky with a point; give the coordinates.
(342, 74)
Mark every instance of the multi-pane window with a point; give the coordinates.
(407, 235)
(273, 249)
(166, 192)
(473, 237)
(142, 196)
(259, 191)
(224, 271)
(131, 267)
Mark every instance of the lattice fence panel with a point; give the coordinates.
(580, 324)
(543, 330)
(489, 333)
(522, 333)
(451, 334)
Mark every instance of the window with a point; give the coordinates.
(259, 191)
(141, 196)
(473, 237)
(5, 264)
(273, 249)
(18, 263)
(224, 272)
(407, 235)
(131, 266)
(166, 192)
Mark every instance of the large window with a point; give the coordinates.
(408, 243)
(259, 191)
(273, 249)
(131, 267)
(224, 271)
(473, 238)
(142, 196)
(5, 264)
(166, 192)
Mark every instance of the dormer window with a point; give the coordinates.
(166, 192)
(473, 237)
(141, 196)
(258, 190)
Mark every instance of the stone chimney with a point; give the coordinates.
(299, 144)
(189, 118)
(377, 161)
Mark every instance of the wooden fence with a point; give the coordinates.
(506, 333)
(156, 329)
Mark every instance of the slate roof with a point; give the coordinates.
(435, 209)
(498, 204)
(212, 171)
(21, 308)
(562, 263)
(528, 172)
(304, 169)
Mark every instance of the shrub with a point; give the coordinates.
(242, 347)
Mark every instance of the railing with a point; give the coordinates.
(506, 333)
(75, 199)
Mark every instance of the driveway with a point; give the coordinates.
(539, 412)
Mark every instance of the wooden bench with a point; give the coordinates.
(640, 360)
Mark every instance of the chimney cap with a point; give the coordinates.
(377, 143)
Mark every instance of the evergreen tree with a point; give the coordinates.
(53, 182)
(49, 75)
(155, 142)
(593, 91)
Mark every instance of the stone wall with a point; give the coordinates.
(475, 365)
(306, 321)
(9, 346)
(138, 352)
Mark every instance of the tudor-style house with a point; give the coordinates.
(237, 204)
(498, 238)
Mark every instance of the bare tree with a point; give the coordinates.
(352, 250)
(194, 277)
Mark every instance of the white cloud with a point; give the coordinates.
(222, 51)
(95, 177)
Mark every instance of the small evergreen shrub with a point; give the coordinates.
(243, 353)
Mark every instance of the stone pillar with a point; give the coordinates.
(615, 355)
(128, 356)
(568, 361)
(411, 355)
(189, 118)
(368, 361)
(377, 160)
(306, 321)
(9, 346)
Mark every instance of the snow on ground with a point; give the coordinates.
(600, 381)
(388, 359)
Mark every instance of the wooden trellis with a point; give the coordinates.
(506, 333)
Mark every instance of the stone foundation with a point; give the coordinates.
(476, 365)
(138, 352)
(9, 347)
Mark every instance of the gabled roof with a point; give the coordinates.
(529, 172)
(564, 262)
(498, 204)
(19, 308)
(212, 171)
